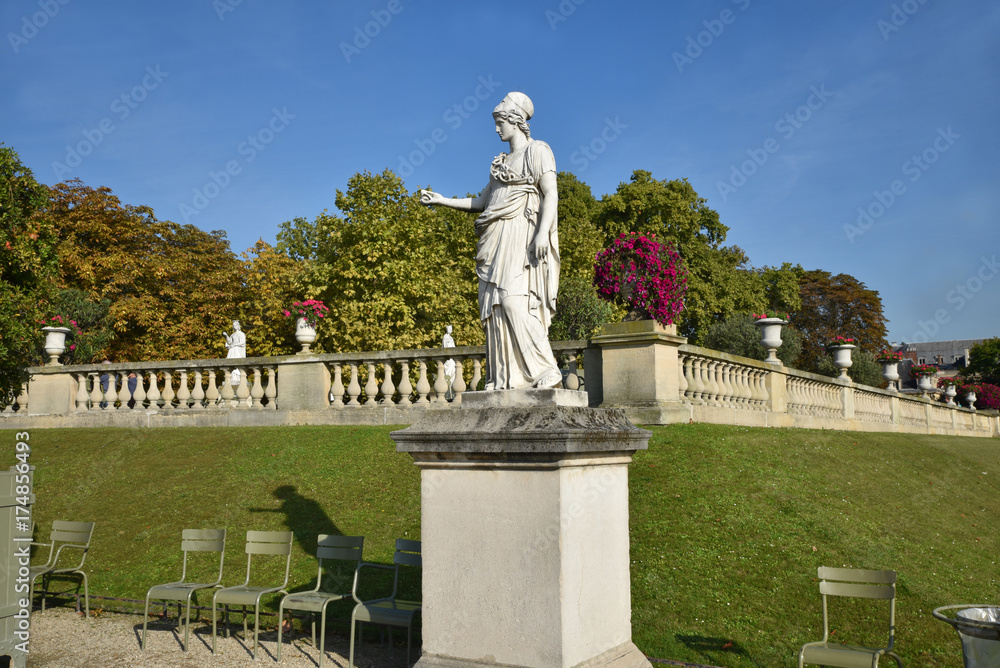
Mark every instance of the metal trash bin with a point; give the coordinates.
(979, 628)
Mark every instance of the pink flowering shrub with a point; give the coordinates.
(643, 274)
(311, 309)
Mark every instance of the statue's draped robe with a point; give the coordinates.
(518, 353)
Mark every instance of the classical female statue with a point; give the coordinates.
(236, 345)
(517, 255)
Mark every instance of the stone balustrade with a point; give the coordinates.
(644, 368)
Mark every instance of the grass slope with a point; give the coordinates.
(728, 524)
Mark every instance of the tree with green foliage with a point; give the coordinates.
(580, 311)
(984, 362)
(580, 240)
(837, 305)
(393, 272)
(173, 289)
(720, 279)
(738, 335)
(269, 280)
(28, 264)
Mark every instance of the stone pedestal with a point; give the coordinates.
(643, 374)
(524, 524)
(51, 394)
(304, 386)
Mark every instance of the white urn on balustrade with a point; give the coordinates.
(770, 337)
(842, 358)
(924, 383)
(970, 398)
(890, 371)
(950, 392)
(304, 334)
(55, 343)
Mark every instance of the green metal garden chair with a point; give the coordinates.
(64, 536)
(269, 543)
(344, 548)
(192, 540)
(855, 583)
(390, 611)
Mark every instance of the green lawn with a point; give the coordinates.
(728, 524)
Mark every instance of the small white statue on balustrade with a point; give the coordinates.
(449, 365)
(236, 344)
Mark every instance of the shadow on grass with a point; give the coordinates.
(304, 517)
(711, 647)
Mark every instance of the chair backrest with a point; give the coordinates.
(347, 548)
(275, 543)
(858, 583)
(407, 553)
(77, 533)
(203, 540)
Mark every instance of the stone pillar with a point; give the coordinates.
(303, 386)
(524, 529)
(52, 394)
(776, 384)
(640, 370)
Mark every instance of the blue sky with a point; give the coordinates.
(854, 137)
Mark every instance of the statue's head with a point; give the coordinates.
(516, 108)
(447, 328)
(236, 325)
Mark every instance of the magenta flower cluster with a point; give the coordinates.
(645, 274)
(311, 309)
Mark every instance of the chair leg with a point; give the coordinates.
(281, 612)
(187, 624)
(244, 623)
(322, 634)
(312, 627)
(213, 625)
(145, 620)
(86, 595)
(45, 589)
(256, 627)
(350, 660)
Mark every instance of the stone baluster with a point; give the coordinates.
(227, 391)
(713, 385)
(257, 391)
(337, 388)
(477, 374)
(81, 394)
(198, 393)
(458, 385)
(682, 378)
(758, 397)
(747, 378)
(405, 387)
(695, 387)
(737, 378)
(212, 394)
(387, 389)
(183, 393)
(22, 400)
(353, 388)
(573, 377)
(727, 383)
(271, 389)
(168, 389)
(139, 396)
(243, 391)
(111, 395)
(440, 384)
(371, 387)
(423, 387)
(153, 392)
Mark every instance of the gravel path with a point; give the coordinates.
(61, 638)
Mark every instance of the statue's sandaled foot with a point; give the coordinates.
(551, 380)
